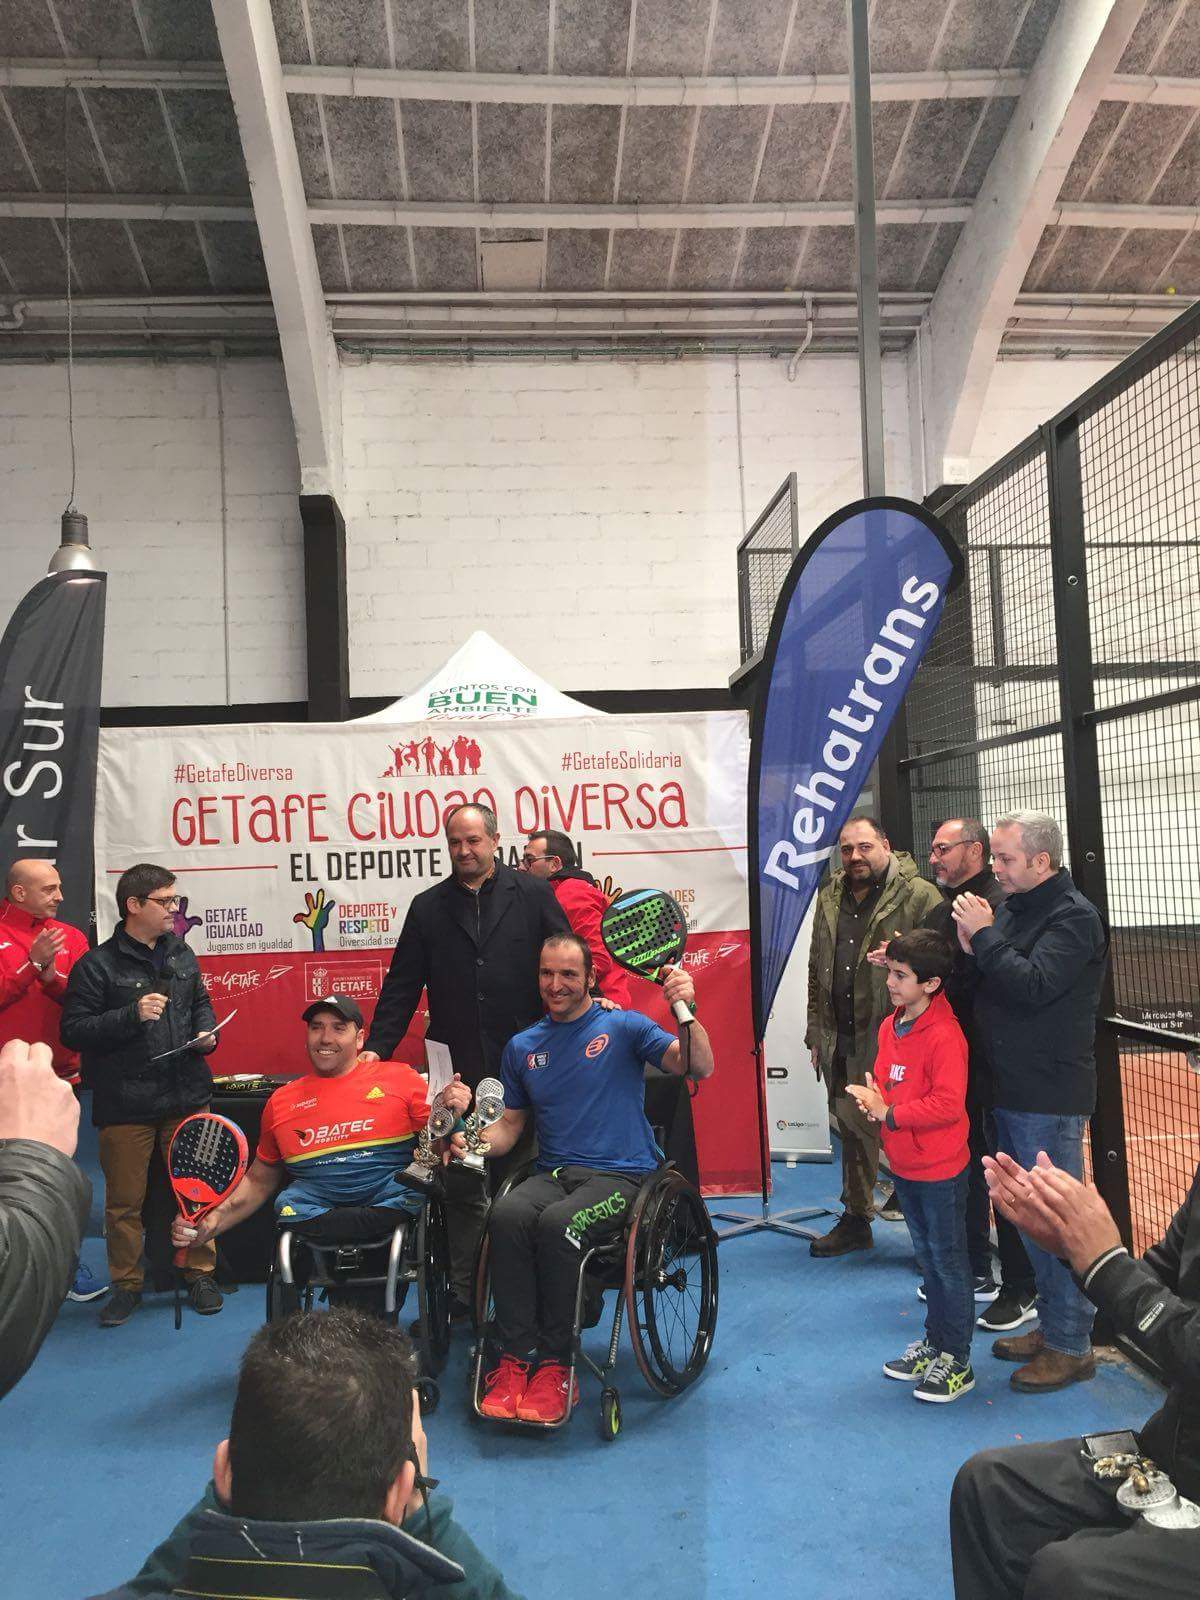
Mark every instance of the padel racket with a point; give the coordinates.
(206, 1162)
(645, 931)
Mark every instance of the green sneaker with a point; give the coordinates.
(945, 1379)
(913, 1364)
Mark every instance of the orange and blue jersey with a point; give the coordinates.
(343, 1139)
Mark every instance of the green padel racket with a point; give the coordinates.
(644, 931)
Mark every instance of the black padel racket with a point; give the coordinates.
(645, 931)
(206, 1162)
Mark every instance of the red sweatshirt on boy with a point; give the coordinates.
(923, 1078)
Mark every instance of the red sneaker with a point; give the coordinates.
(504, 1387)
(545, 1400)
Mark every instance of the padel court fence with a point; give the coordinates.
(764, 557)
(1065, 678)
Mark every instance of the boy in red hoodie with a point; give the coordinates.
(918, 1094)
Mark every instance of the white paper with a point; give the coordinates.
(439, 1066)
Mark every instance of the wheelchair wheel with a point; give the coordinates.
(428, 1393)
(433, 1286)
(282, 1298)
(671, 1285)
(610, 1415)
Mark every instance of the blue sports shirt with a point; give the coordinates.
(583, 1081)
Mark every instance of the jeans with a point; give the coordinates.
(1065, 1313)
(936, 1214)
(1016, 1270)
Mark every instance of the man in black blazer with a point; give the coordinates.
(472, 942)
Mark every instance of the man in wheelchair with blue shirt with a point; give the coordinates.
(580, 1072)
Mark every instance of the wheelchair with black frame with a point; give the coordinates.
(663, 1266)
(369, 1257)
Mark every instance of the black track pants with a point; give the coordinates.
(538, 1236)
(1030, 1522)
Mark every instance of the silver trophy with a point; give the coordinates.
(489, 1108)
(425, 1159)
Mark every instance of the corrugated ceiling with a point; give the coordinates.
(168, 141)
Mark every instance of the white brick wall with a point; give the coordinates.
(587, 514)
(149, 479)
(1021, 396)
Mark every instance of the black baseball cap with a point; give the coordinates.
(340, 1003)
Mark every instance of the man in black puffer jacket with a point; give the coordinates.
(132, 999)
(1032, 1521)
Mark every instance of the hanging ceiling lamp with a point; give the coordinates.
(73, 553)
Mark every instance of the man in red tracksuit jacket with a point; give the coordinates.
(918, 1093)
(551, 855)
(37, 953)
(36, 956)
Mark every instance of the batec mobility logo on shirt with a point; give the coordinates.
(596, 1046)
(333, 1130)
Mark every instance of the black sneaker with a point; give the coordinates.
(1009, 1310)
(944, 1380)
(985, 1290)
(888, 1207)
(206, 1298)
(119, 1307)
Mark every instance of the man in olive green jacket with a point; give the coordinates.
(875, 894)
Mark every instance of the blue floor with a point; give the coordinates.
(793, 1465)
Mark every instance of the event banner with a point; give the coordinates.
(299, 848)
(855, 614)
(50, 664)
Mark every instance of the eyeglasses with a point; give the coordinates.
(531, 861)
(940, 850)
(169, 902)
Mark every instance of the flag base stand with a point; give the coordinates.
(769, 1222)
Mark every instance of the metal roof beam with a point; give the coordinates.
(455, 214)
(251, 54)
(512, 88)
(1018, 197)
(516, 88)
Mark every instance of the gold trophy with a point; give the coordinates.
(489, 1108)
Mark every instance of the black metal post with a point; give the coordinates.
(1081, 783)
(326, 614)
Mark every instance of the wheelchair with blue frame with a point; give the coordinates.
(663, 1267)
(370, 1257)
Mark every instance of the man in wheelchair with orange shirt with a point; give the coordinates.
(339, 1133)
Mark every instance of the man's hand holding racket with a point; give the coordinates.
(677, 986)
(185, 1234)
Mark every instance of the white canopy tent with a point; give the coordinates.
(481, 680)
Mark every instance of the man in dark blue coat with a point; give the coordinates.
(472, 942)
(1040, 957)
